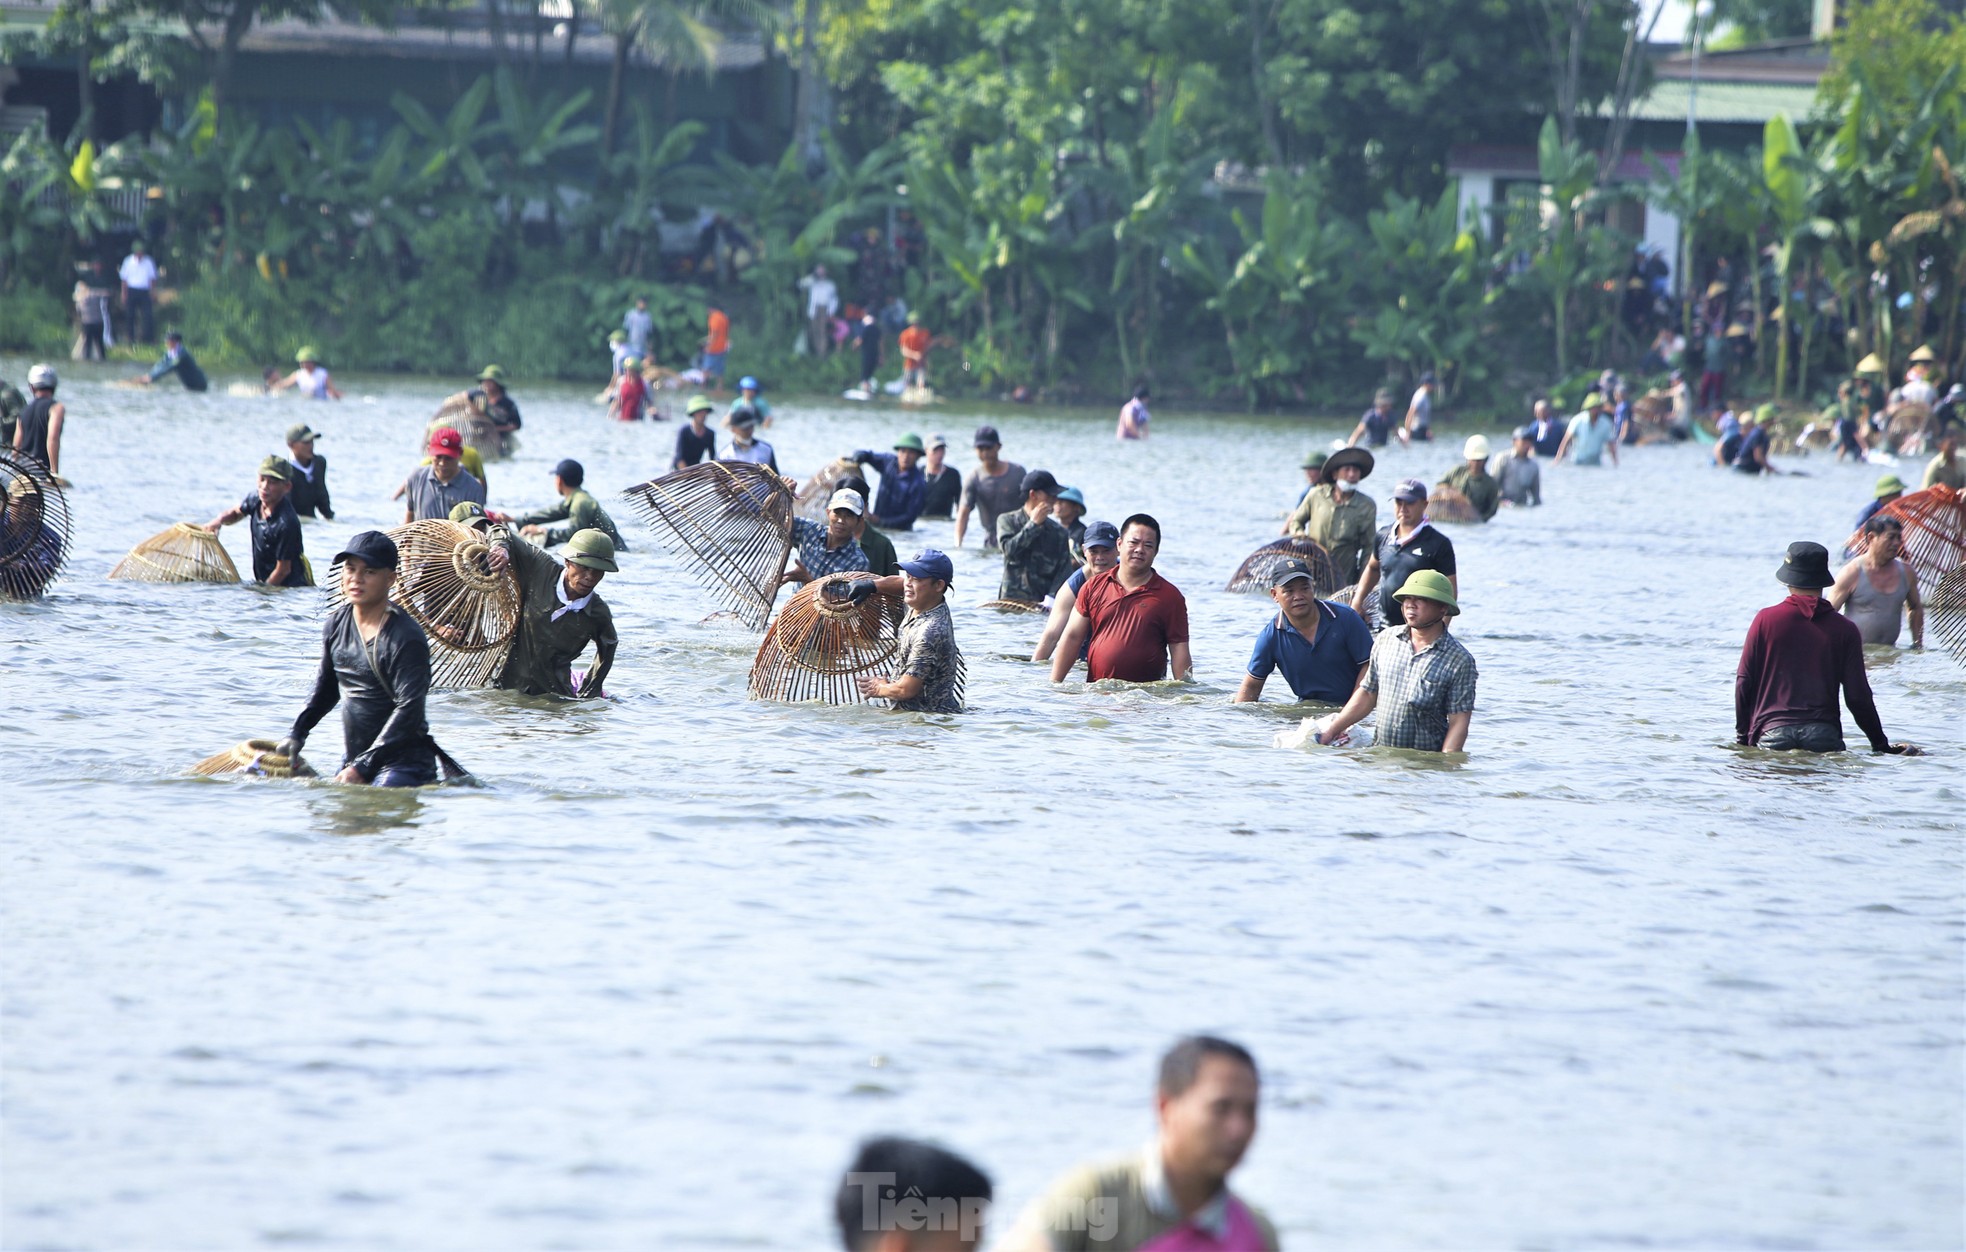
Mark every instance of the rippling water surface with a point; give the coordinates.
(1605, 982)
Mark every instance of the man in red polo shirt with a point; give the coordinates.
(1137, 622)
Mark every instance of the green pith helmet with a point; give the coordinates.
(617, 336)
(492, 374)
(699, 404)
(910, 441)
(277, 467)
(467, 512)
(1315, 460)
(629, 363)
(1429, 584)
(1890, 485)
(306, 355)
(593, 549)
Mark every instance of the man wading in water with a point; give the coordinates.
(1797, 654)
(1427, 676)
(1411, 543)
(277, 557)
(560, 613)
(376, 657)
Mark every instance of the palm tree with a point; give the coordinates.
(678, 34)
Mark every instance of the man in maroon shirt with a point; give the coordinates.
(1797, 655)
(1136, 621)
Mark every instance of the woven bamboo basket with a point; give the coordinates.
(478, 430)
(182, 554)
(1258, 567)
(1014, 606)
(257, 757)
(1449, 505)
(730, 522)
(1935, 533)
(1946, 607)
(469, 612)
(1906, 421)
(817, 490)
(35, 527)
(1374, 616)
(820, 643)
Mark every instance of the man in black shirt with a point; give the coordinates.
(377, 657)
(696, 441)
(1410, 543)
(277, 557)
(310, 482)
(945, 481)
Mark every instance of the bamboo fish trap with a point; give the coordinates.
(35, 527)
(479, 431)
(821, 642)
(1934, 523)
(1947, 606)
(817, 490)
(257, 757)
(182, 554)
(730, 522)
(1449, 505)
(1260, 566)
(469, 612)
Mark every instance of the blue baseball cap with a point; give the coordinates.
(570, 472)
(748, 383)
(1073, 494)
(929, 563)
(1101, 535)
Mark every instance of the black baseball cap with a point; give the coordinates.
(570, 473)
(986, 435)
(373, 548)
(1288, 571)
(1040, 480)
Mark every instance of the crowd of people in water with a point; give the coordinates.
(1383, 645)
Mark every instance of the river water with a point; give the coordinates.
(1604, 982)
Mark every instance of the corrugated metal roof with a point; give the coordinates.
(1723, 102)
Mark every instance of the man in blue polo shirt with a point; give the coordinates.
(1321, 647)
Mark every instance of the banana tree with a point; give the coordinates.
(453, 147)
(1566, 255)
(1422, 271)
(647, 173)
(31, 167)
(535, 134)
(1790, 194)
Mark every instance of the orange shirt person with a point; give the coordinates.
(915, 342)
(715, 345)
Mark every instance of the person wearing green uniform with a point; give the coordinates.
(1472, 479)
(1338, 517)
(560, 613)
(576, 508)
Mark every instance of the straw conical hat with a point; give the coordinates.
(1924, 353)
(1871, 364)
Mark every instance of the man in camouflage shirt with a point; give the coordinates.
(1037, 550)
(928, 668)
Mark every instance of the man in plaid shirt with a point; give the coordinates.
(831, 548)
(1425, 676)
